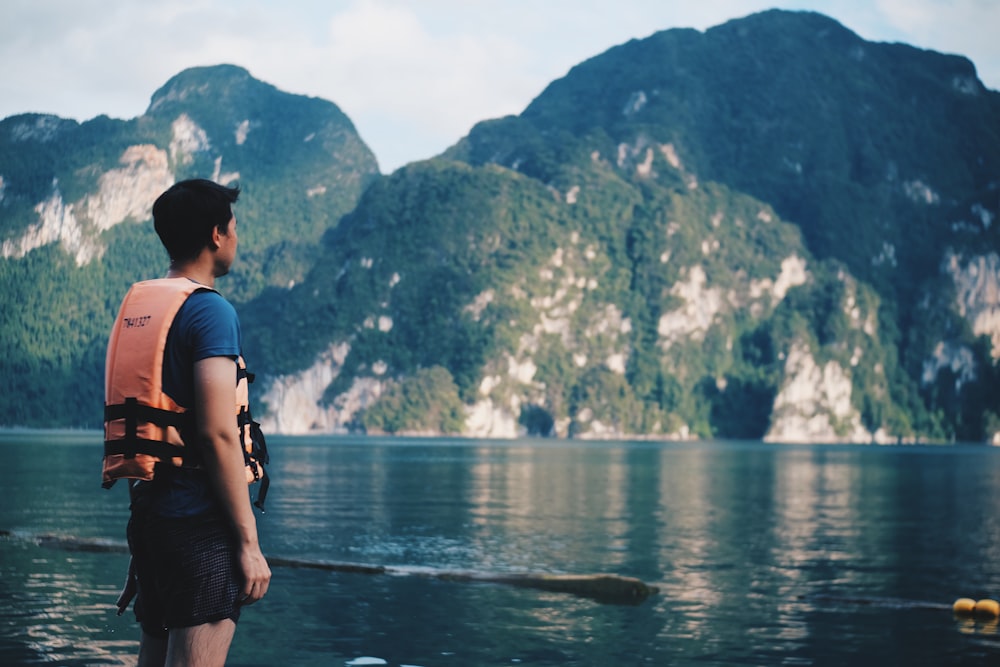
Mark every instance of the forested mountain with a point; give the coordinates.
(75, 203)
(772, 228)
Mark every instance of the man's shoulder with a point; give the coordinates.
(209, 324)
(207, 302)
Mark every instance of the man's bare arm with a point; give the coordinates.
(222, 453)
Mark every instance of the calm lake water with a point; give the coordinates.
(763, 554)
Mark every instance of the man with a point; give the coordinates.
(177, 425)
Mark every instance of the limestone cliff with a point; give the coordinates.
(814, 404)
(977, 293)
(295, 403)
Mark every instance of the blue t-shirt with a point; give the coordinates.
(205, 326)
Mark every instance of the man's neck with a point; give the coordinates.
(193, 271)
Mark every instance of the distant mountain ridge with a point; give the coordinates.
(770, 229)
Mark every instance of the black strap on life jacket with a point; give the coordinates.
(257, 457)
(131, 444)
(265, 484)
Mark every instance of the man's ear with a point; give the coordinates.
(216, 237)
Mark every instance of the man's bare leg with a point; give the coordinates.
(152, 651)
(200, 646)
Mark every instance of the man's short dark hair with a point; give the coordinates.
(185, 214)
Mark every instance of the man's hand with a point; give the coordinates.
(128, 590)
(256, 574)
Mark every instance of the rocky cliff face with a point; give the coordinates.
(815, 404)
(125, 193)
(295, 404)
(977, 293)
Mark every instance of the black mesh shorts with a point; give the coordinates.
(186, 570)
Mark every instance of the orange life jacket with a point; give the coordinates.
(143, 426)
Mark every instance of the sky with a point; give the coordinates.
(414, 76)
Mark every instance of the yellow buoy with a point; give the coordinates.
(964, 607)
(988, 608)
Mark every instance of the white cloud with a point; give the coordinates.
(383, 61)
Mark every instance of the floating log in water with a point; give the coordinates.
(605, 588)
